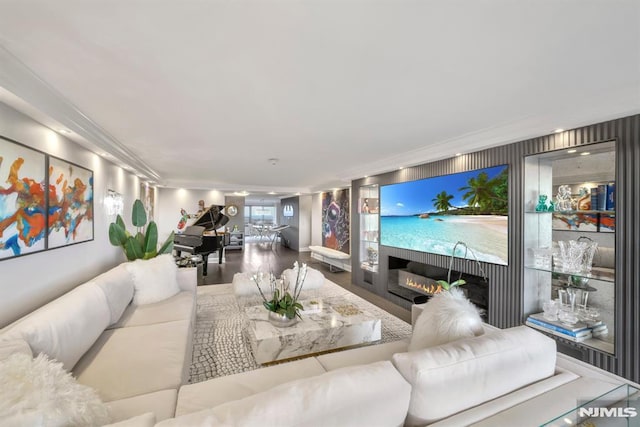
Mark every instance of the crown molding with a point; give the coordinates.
(21, 81)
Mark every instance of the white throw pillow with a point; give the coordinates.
(117, 285)
(447, 316)
(454, 377)
(313, 280)
(67, 327)
(40, 392)
(154, 279)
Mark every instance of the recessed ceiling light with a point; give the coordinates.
(366, 176)
(558, 130)
(573, 150)
(64, 131)
(400, 168)
(586, 153)
(458, 154)
(271, 193)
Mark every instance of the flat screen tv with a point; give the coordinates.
(433, 214)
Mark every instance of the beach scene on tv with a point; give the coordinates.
(433, 214)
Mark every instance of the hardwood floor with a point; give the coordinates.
(279, 258)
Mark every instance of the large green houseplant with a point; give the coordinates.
(144, 243)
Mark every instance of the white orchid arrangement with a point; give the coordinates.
(284, 297)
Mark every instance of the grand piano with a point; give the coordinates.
(194, 240)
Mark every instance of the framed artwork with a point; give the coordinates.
(22, 199)
(335, 220)
(607, 222)
(70, 203)
(148, 198)
(114, 204)
(575, 221)
(604, 222)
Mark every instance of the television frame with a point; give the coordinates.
(414, 215)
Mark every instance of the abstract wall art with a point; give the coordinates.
(22, 199)
(45, 202)
(70, 203)
(335, 220)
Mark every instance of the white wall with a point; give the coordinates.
(31, 280)
(306, 209)
(316, 219)
(171, 200)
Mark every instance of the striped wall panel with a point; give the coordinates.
(505, 289)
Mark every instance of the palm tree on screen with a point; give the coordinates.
(442, 201)
(479, 191)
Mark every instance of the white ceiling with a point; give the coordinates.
(200, 94)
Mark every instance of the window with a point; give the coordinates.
(260, 215)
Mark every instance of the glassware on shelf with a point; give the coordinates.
(551, 309)
(589, 315)
(567, 299)
(576, 255)
(541, 258)
(372, 256)
(567, 316)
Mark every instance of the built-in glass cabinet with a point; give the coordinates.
(369, 208)
(569, 244)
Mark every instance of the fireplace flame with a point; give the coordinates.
(428, 289)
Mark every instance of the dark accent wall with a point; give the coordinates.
(239, 218)
(291, 235)
(506, 282)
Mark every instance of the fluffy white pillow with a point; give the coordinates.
(154, 279)
(40, 392)
(448, 316)
(314, 279)
(244, 285)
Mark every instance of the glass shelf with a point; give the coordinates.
(604, 275)
(369, 267)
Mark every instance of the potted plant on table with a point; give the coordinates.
(282, 304)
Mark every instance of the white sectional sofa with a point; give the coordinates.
(494, 379)
(135, 355)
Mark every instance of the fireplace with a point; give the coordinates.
(414, 281)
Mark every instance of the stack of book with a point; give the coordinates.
(603, 197)
(578, 332)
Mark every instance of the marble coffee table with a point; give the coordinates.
(334, 324)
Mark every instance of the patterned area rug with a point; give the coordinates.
(219, 345)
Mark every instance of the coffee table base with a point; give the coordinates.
(314, 333)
